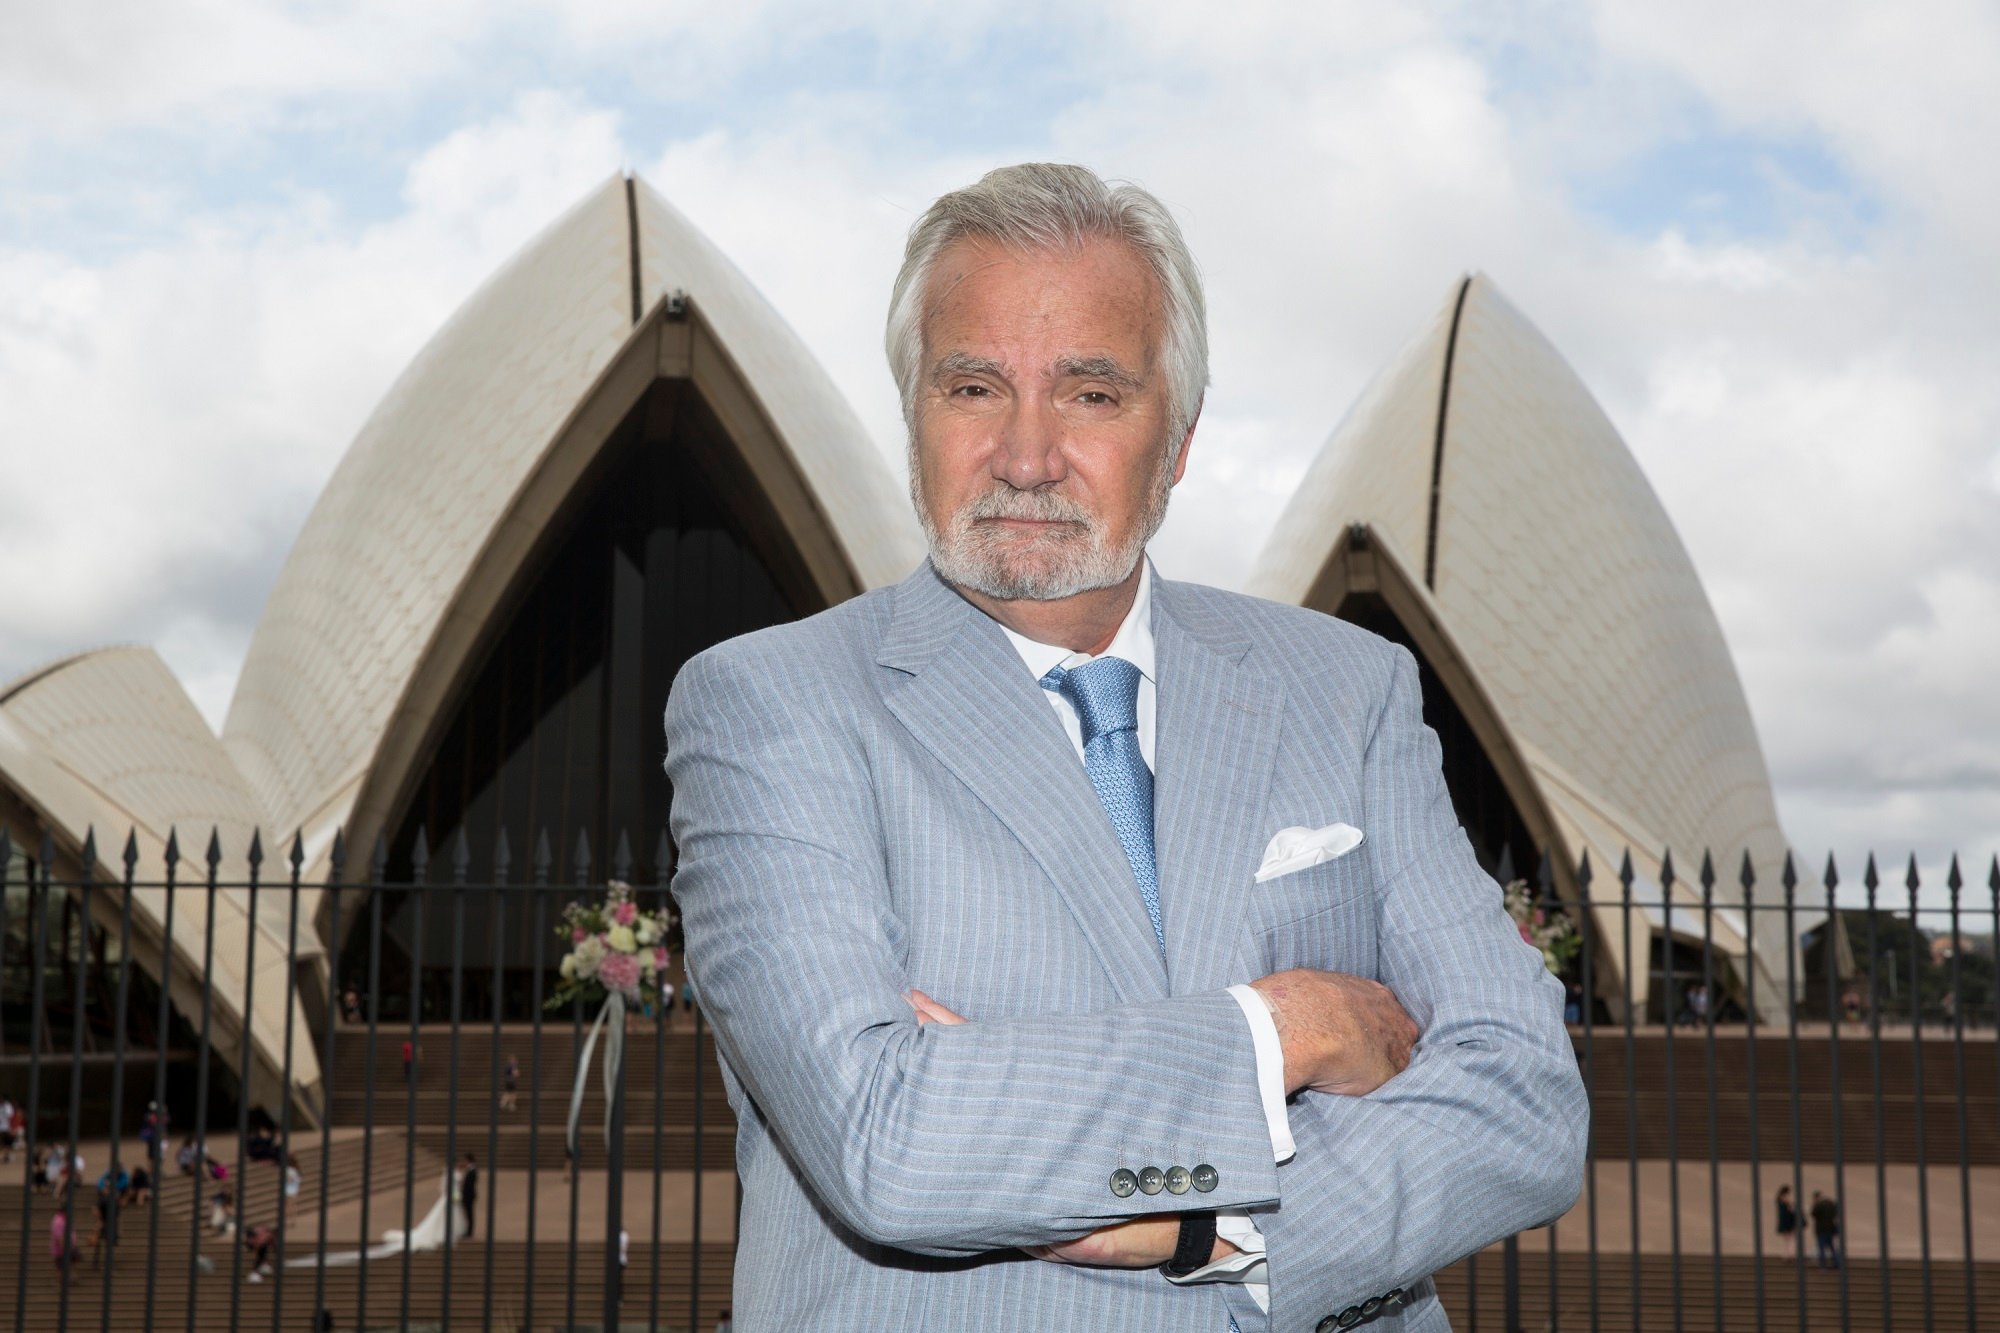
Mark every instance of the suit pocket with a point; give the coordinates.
(1323, 917)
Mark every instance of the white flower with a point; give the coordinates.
(588, 955)
(568, 968)
(620, 938)
(646, 933)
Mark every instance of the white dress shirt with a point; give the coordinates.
(1134, 643)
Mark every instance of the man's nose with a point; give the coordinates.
(1030, 450)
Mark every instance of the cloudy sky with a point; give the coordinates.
(1763, 235)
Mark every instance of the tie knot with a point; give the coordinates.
(1104, 693)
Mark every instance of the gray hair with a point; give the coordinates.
(1054, 206)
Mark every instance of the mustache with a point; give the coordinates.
(1040, 506)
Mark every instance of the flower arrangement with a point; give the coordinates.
(615, 949)
(1554, 933)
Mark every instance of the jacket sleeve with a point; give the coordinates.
(1484, 1134)
(940, 1140)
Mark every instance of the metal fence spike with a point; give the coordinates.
(1583, 871)
(502, 856)
(1910, 880)
(621, 858)
(1503, 870)
(1832, 876)
(89, 847)
(379, 859)
(542, 858)
(256, 854)
(582, 859)
(1707, 870)
(1625, 874)
(1952, 879)
(1667, 869)
(173, 844)
(131, 856)
(663, 857)
(1869, 877)
(1747, 876)
(461, 853)
(1545, 875)
(336, 857)
(297, 856)
(214, 857)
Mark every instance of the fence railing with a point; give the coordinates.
(303, 1070)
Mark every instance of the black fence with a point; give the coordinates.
(1838, 1041)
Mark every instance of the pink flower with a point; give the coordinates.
(626, 911)
(1524, 933)
(578, 935)
(620, 972)
(660, 959)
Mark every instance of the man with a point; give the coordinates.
(1826, 1230)
(468, 1191)
(1022, 893)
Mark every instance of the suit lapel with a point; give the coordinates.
(1215, 744)
(960, 689)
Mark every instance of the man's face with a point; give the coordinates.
(1038, 456)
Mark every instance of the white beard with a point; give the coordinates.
(1060, 562)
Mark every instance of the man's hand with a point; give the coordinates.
(1143, 1242)
(1340, 1033)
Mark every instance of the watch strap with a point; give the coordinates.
(1197, 1242)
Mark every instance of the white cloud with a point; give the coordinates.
(170, 414)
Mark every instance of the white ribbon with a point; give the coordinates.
(612, 1015)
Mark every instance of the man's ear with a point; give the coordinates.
(1187, 440)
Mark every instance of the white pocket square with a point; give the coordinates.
(1297, 848)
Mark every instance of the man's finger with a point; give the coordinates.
(930, 1011)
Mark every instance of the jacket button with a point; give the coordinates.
(1205, 1178)
(1151, 1180)
(1178, 1180)
(1370, 1306)
(1123, 1182)
(1326, 1325)
(1349, 1317)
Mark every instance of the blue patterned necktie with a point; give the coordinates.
(1105, 695)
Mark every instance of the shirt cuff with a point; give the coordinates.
(1270, 1068)
(1247, 1266)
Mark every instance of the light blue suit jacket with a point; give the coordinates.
(879, 797)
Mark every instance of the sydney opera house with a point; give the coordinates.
(616, 453)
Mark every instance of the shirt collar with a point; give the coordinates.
(1133, 641)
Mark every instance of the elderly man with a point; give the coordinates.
(1087, 950)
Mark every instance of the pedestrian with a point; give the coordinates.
(723, 1323)
(1788, 1218)
(258, 1240)
(510, 1084)
(292, 1181)
(153, 1130)
(350, 1005)
(17, 1131)
(222, 1212)
(6, 1130)
(107, 1208)
(1826, 1230)
(468, 1190)
(411, 1054)
(140, 1191)
(185, 1158)
(59, 1246)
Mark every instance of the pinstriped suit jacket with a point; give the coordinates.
(879, 797)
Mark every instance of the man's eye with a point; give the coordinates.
(971, 391)
(1095, 397)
